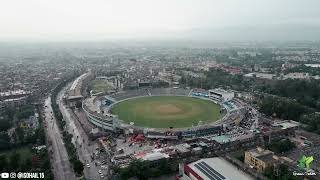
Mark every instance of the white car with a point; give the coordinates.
(100, 172)
(88, 165)
(101, 175)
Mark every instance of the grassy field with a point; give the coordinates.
(99, 86)
(167, 111)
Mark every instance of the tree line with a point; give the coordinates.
(12, 157)
(144, 170)
(67, 137)
(290, 99)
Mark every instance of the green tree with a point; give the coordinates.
(281, 146)
(26, 164)
(5, 124)
(25, 112)
(312, 122)
(282, 108)
(14, 160)
(279, 173)
(3, 162)
(20, 134)
(4, 141)
(78, 167)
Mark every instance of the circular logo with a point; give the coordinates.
(13, 175)
(19, 175)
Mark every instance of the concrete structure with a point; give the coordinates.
(313, 65)
(13, 99)
(211, 169)
(75, 91)
(221, 95)
(261, 75)
(296, 75)
(260, 159)
(12, 103)
(154, 156)
(98, 118)
(286, 124)
(276, 130)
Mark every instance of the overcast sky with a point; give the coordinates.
(85, 19)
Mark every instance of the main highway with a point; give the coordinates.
(85, 148)
(62, 169)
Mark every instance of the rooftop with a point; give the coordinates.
(286, 124)
(221, 139)
(219, 91)
(75, 83)
(16, 92)
(74, 97)
(217, 169)
(183, 148)
(154, 156)
(75, 89)
(91, 104)
(260, 152)
(14, 99)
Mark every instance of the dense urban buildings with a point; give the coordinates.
(161, 89)
(196, 110)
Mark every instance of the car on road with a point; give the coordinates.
(120, 151)
(101, 175)
(100, 172)
(88, 165)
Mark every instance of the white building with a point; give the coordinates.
(211, 169)
(296, 76)
(221, 95)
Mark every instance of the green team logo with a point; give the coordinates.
(305, 162)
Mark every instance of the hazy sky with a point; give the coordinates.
(85, 19)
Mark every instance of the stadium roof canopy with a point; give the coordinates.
(221, 139)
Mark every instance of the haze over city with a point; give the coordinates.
(59, 20)
(160, 89)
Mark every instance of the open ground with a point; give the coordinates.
(167, 111)
(100, 86)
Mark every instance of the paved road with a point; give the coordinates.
(85, 148)
(59, 158)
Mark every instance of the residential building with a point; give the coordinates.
(259, 159)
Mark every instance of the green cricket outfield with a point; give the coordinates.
(166, 111)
